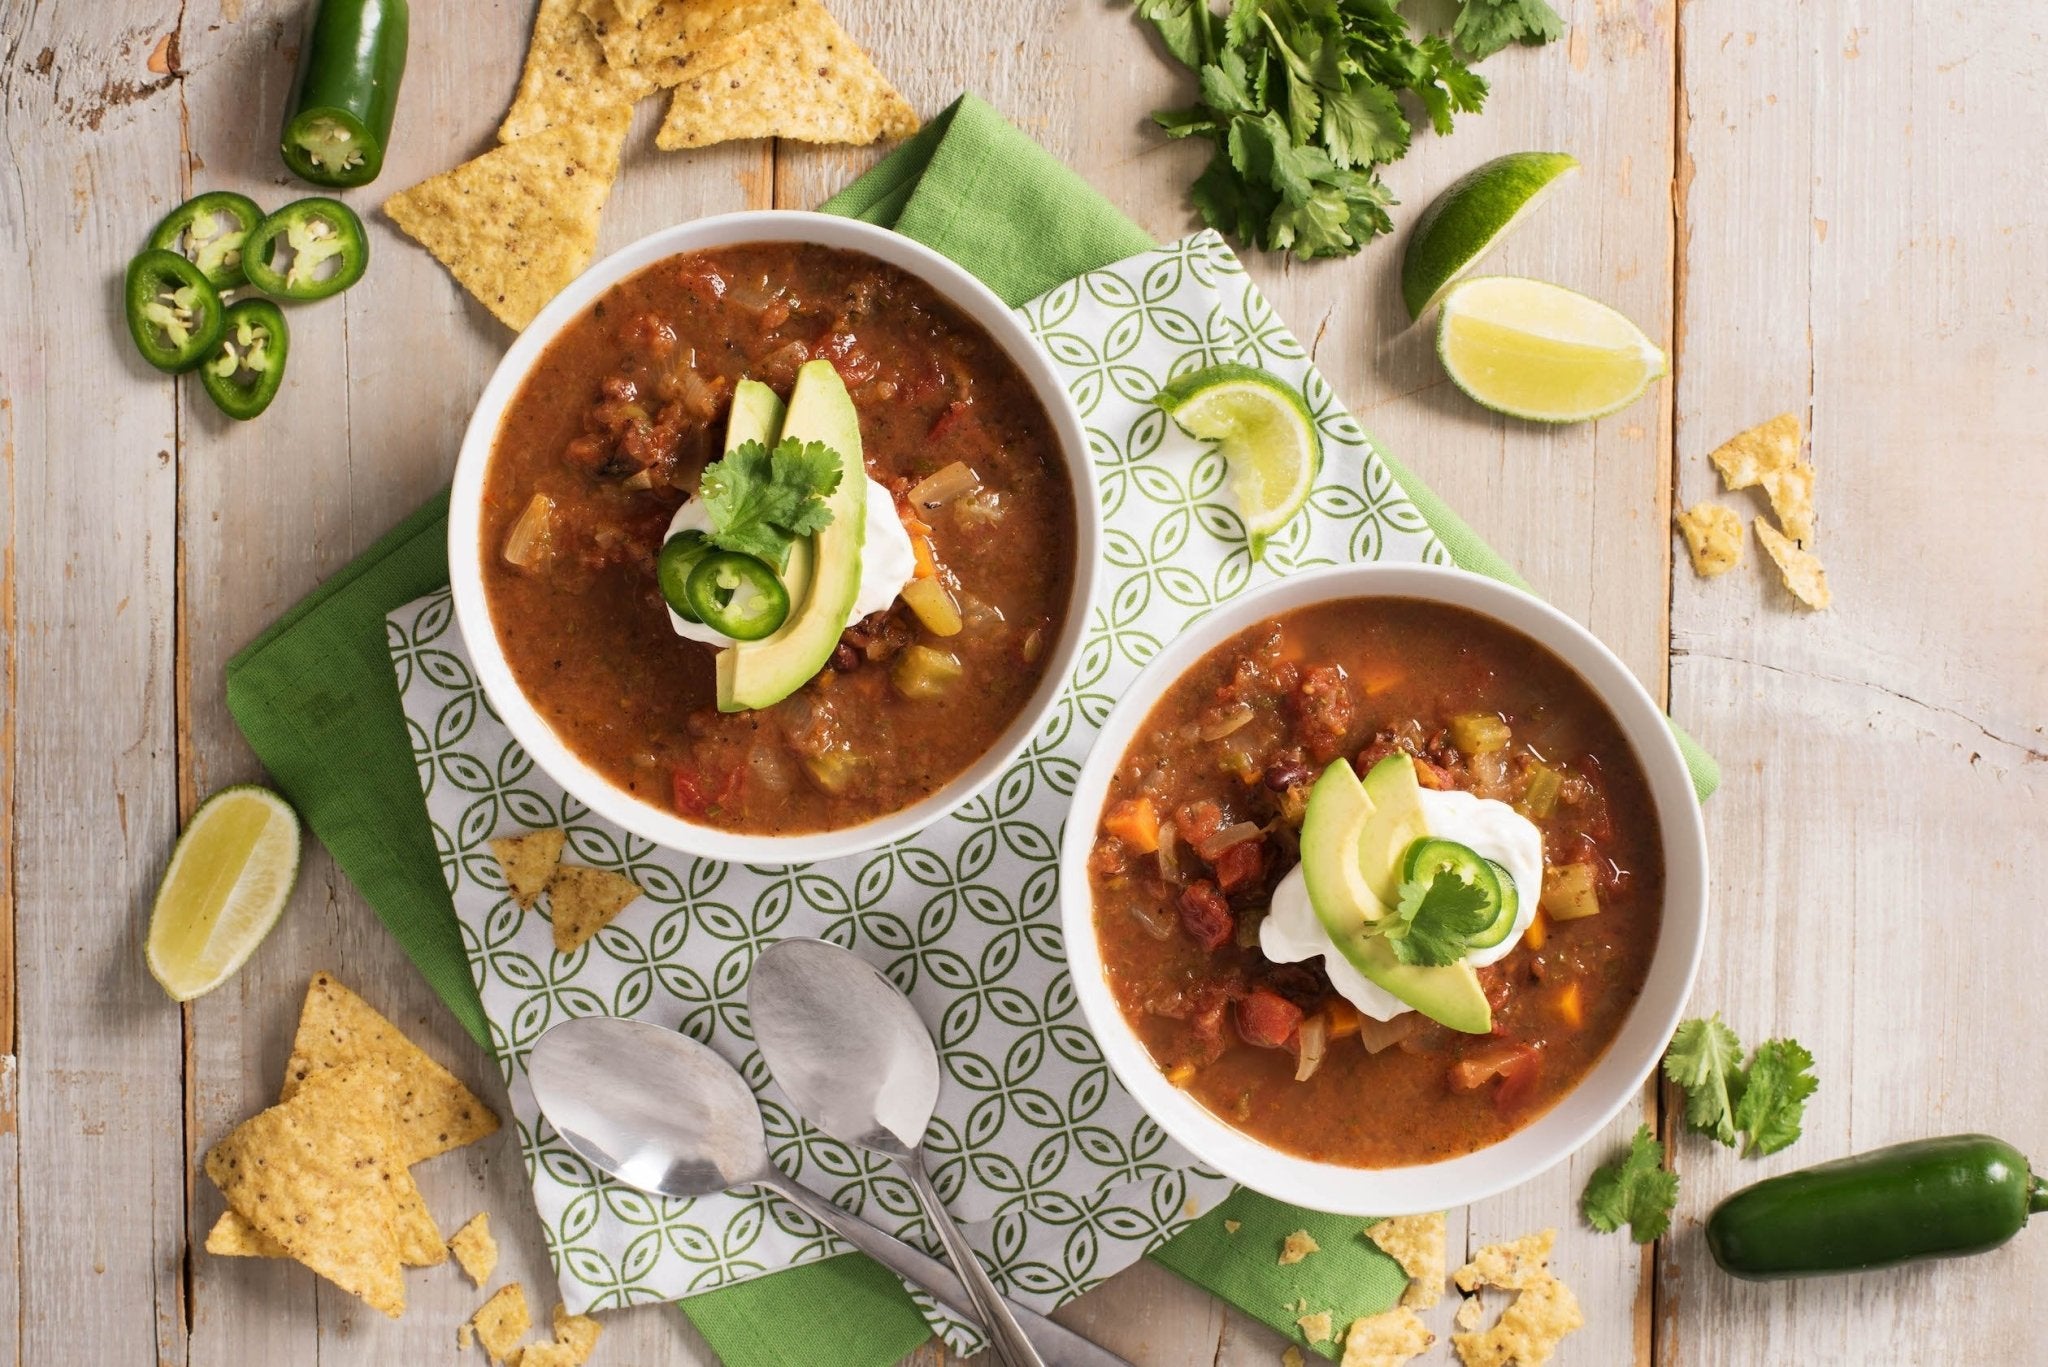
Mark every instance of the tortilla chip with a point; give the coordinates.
(584, 901)
(1470, 1312)
(1297, 1246)
(566, 77)
(315, 1174)
(1746, 458)
(475, 1249)
(575, 1340)
(1291, 1357)
(1528, 1331)
(1510, 1266)
(465, 1336)
(519, 222)
(528, 861)
(435, 1112)
(1315, 1328)
(1713, 537)
(1799, 569)
(800, 77)
(234, 1237)
(1791, 492)
(1417, 1243)
(1232, 1226)
(667, 40)
(1386, 1340)
(502, 1321)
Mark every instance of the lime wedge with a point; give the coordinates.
(1542, 352)
(1266, 435)
(228, 880)
(1464, 222)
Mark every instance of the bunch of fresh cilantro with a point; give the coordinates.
(1302, 101)
(1763, 1103)
(763, 500)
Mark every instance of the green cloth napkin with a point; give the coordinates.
(317, 699)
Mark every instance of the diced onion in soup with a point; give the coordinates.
(1169, 852)
(1228, 837)
(526, 545)
(1227, 721)
(937, 490)
(1376, 1035)
(1159, 922)
(700, 400)
(1315, 1036)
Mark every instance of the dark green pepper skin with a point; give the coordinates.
(151, 275)
(239, 399)
(225, 248)
(352, 253)
(351, 63)
(1930, 1198)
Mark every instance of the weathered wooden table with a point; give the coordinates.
(1836, 208)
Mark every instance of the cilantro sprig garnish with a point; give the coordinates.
(1435, 919)
(761, 500)
(1301, 99)
(1634, 1190)
(1760, 1105)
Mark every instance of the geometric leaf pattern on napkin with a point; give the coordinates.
(1063, 1179)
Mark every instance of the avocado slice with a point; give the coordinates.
(1394, 824)
(1341, 814)
(764, 672)
(757, 416)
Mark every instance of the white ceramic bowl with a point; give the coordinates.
(465, 551)
(1615, 1081)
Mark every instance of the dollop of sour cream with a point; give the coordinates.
(886, 561)
(1292, 932)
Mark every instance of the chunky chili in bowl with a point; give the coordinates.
(1201, 827)
(608, 436)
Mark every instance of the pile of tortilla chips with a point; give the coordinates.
(324, 1176)
(520, 221)
(1767, 456)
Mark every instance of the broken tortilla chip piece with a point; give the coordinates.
(666, 41)
(1417, 1243)
(1745, 458)
(584, 901)
(1713, 538)
(502, 1321)
(528, 861)
(566, 76)
(1470, 1312)
(1315, 1328)
(575, 1340)
(800, 77)
(1386, 1340)
(234, 1237)
(475, 1250)
(519, 222)
(1528, 1331)
(1799, 569)
(1297, 1246)
(1791, 494)
(1511, 1265)
(315, 1174)
(337, 1029)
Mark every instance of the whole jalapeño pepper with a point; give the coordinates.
(337, 122)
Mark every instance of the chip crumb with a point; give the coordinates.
(1297, 1246)
(1232, 1226)
(1745, 458)
(1713, 538)
(1386, 1340)
(1528, 1331)
(1191, 1208)
(1800, 570)
(475, 1249)
(1510, 1266)
(577, 1334)
(1291, 1357)
(1470, 1312)
(502, 1321)
(1791, 493)
(1417, 1243)
(528, 861)
(1315, 1328)
(465, 1336)
(581, 902)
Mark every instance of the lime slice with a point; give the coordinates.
(1464, 222)
(1266, 435)
(228, 880)
(1542, 352)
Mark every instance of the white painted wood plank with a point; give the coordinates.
(92, 142)
(1865, 235)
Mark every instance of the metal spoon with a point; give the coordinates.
(851, 1053)
(662, 1113)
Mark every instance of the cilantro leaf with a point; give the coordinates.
(1187, 27)
(761, 501)
(1774, 1101)
(1363, 124)
(1633, 1190)
(1435, 921)
(1484, 27)
(1705, 1059)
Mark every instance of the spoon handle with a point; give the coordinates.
(1004, 1333)
(1059, 1345)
